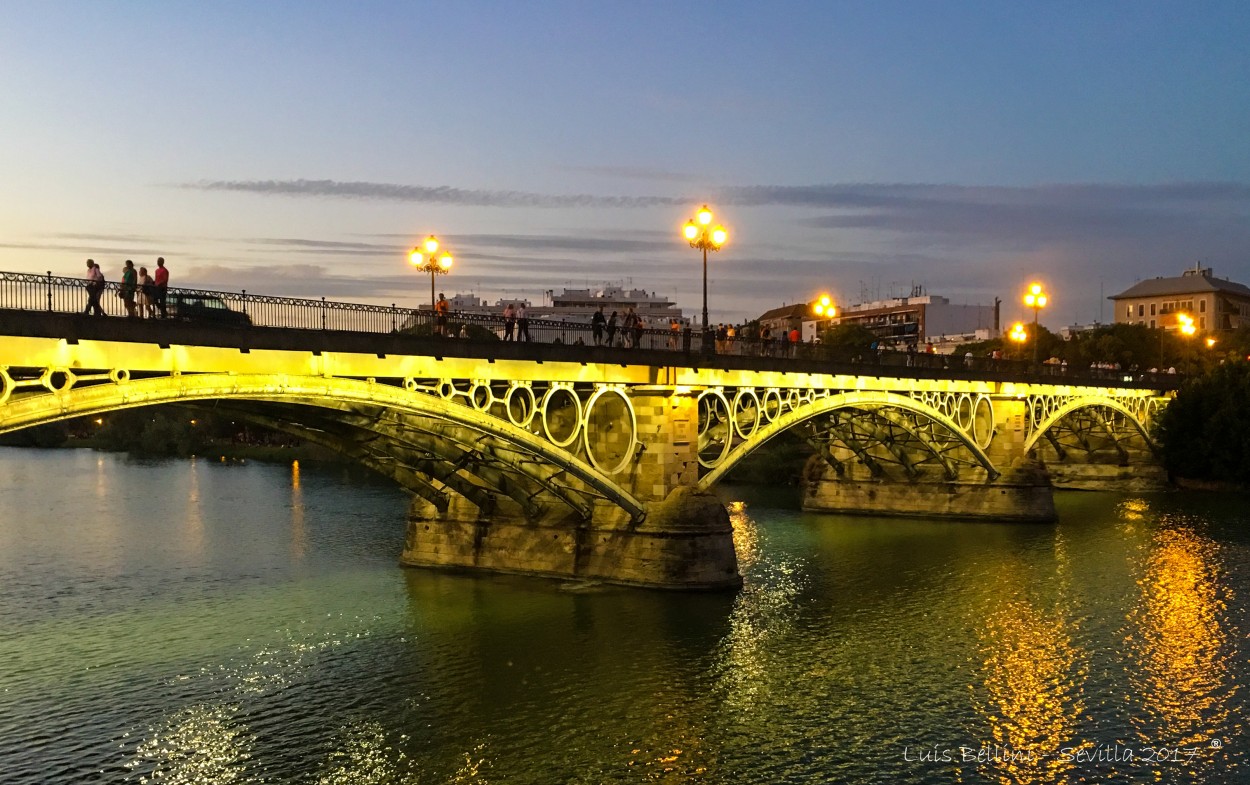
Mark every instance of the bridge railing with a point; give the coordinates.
(58, 294)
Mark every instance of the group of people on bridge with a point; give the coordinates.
(143, 295)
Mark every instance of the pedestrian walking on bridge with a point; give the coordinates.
(95, 288)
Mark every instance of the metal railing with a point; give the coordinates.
(64, 295)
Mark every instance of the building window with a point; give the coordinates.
(1202, 306)
(1141, 310)
(1152, 323)
(1152, 313)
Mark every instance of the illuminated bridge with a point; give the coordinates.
(579, 461)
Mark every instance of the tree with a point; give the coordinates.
(847, 340)
(153, 430)
(1204, 433)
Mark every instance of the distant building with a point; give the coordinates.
(657, 311)
(920, 319)
(1067, 333)
(786, 318)
(1215, 303)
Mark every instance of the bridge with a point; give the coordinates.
(583, 461)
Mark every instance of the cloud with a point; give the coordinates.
(443, 195)
(861, 240)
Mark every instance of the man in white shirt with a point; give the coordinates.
(95, 288)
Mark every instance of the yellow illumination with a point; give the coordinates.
(1035, 289)
(445, 261)
(431, 245)
(1018, 333)
(415, 257)
(691, 231)
(819, 309)
(719, 236)
(1210, 342)
(1034, 297)
(1041, 301)
(705, 215)
(825, 301)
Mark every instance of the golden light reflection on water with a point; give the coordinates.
(1179, 640)
(1133, 510)
(299, 536)
(1033, 676)
(746, 534)
(747, 665)
(199, 744)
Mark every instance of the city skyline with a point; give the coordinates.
(966, 148)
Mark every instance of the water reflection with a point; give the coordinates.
(1179, 639)
(193, 513)
(1033, 677)
(538, 666)
(198, 745)
(363, 758)
(746, 535)
(762, 615)
(299, 537)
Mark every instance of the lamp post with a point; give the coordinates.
(1184, 325)
(426, 259)
(702, 234)
(1019, 335)
(1035, 298)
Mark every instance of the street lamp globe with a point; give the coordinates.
(824, 307)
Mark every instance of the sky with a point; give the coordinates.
(855, 148)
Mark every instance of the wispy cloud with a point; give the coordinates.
(444, 195)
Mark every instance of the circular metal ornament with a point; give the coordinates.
(591, 432)
(520, 404)
(713, 408)
(550, 409)
(982, 428)
(745, 400)
(770, 404)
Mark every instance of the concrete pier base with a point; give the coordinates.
(1020, 496)
(1134, 478)
(686, 542)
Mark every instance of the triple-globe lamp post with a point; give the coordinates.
(1035, 298)
(702, 234)
(426, 259)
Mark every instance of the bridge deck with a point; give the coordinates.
(165, 333)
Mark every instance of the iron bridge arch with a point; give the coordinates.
(433, 436)
(948, 434)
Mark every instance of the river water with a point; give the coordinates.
(196, 621)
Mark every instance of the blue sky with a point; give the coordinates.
(301, 148)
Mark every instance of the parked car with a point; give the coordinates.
(205, 308)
